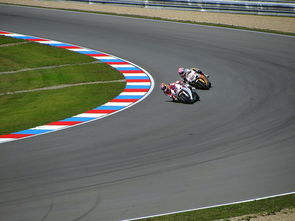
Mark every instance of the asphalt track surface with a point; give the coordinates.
(237, 143)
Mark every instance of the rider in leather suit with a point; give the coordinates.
(188, 75)
(170, 89)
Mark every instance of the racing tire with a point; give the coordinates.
(204, 85)
(196, 97)
(184, 99)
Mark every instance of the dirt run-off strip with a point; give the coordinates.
(287, 214)
(61, 86)
(47, 67)
(274, 23)
(14, 44)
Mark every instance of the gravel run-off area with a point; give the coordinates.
(283, 215)
(276, 23)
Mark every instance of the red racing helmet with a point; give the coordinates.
(165, 87)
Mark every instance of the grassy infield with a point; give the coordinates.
(61, 103)
(26, 110)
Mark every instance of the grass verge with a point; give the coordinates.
(8, 40)
(57, 76)
(263, 207)
(27, 110)
(33, 55)
(23, 111)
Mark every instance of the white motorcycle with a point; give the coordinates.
(185, 93)
(200, 82)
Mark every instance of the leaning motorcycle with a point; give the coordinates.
(186, 94)
(201, 82)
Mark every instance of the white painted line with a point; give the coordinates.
(76, 49)
(134, 75)
(209, 207)
(79, 49)
(133, 93)
(50, 42)
(104, 57)
(89, 115)
(15, 35)
(3, 140)
(117, 104)
(50, 127)
(138, 83)
(122, 65)
(39, 42)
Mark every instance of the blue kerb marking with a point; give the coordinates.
(127, 68)
(59, 44)
(129, 97)
(99, 54)
(88, 52)
(24, 37)
(137, 87)
(79, 119)
(109, 108)
(137, 77)
(110, 60)
(95, 54)
(31, 131)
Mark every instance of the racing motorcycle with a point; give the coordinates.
(186, 94)
(201, 82)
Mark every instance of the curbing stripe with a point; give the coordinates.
(139, 84)
(32, 131)
(64, 123)
(50, 127)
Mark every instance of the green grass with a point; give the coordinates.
(266, 206)
(27, 110)
(31, 109)
(57, 76)
(8, 40)
(34, 55)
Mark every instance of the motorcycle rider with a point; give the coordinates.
(170, 89)
(190, 74)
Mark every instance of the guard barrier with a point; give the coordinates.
(277, 8)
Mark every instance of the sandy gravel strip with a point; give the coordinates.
(139, 84)
(275, 23)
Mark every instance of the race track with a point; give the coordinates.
(237, 143)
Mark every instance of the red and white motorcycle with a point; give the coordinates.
(184, 93)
